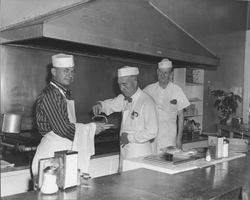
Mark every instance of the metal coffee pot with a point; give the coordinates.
(11, 123)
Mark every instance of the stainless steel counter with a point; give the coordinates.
(214, 182)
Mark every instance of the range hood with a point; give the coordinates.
(128, 26)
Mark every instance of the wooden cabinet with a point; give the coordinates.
(191, 81)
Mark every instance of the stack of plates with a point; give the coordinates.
(238, 145)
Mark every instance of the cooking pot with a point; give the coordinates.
(11, 123)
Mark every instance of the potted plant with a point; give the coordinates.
(226, 103)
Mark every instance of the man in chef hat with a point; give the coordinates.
(139, 122)
(56, 120)
(170, 101)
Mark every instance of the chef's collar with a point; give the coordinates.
(67, 92)
(169, 83)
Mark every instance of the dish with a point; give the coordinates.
(108, 126)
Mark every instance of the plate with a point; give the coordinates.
(108, 126)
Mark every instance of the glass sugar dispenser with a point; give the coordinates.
(49, 185)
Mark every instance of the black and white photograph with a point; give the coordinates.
(125, 99)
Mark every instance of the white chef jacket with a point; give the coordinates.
(167, 111)
(139, 121)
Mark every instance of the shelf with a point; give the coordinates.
(194, 84)
(199, 138)
(188, 116)
(191, 80)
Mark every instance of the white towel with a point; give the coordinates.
(84, 143)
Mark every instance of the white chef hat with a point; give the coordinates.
(165, 64)
(128, 71)
(62, 60)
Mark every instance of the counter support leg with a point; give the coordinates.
(245, 192)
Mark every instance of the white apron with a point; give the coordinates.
(167, 126)
(133, 149)
(167, 111)
(52, 142)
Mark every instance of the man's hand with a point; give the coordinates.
(97, 109)
(102, 127)
(124, 139)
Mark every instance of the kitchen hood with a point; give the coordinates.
(135, 27)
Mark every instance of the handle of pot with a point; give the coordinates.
(94, 118)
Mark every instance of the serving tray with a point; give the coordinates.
(161, 158)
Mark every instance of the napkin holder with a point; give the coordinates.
(215, 145)
(68, 173)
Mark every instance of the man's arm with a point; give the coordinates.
(113, 105)
(180, 129)
(182, 102)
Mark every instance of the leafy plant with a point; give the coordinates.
(226, 103)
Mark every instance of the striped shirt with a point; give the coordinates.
(51, 112)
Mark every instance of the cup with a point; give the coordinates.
(84, 180)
